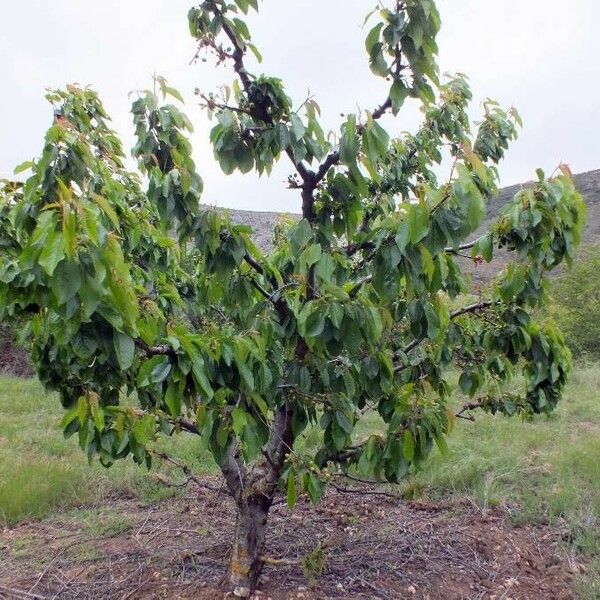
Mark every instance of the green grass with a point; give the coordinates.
(547, 469)
(41, 472)
(544, 471)
(103, 522)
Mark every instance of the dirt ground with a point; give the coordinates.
(14, 360)
(351, 546)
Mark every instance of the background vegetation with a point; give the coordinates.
(576, 303)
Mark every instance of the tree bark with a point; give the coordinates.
(253, 488)
(247, 561)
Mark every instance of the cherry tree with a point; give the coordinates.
(131, 289)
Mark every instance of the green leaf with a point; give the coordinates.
(66, 281)
(144, 429)
(24, 166)
(169, 91)
(325, 267)
(255, 51)
(107, 209)
(349, 143)
(97, 416)
(336, 314)
(418, 222)
(246, 374)
(241, 28)
(310, 256)
(160, 371)
(292, 490)
(152, 370)
(428, 264)
(300, 235)
(398, 94)
(403, 236)
(70, 233)
(52, 252)
(298, 127)
(485, 246)
(408, 445)
(315, 325)
(69, 417)
(174, 399)
(83, 408)
(377, 61)
(314, 487)
(239, 420)
(200, 377)
(373, 37)
(124, 349)
(433, 321)
(344, 422)
(475, 210)
(242, 5)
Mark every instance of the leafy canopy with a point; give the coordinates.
(131, 287)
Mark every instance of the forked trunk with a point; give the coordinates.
(252, 490)
(247, 562)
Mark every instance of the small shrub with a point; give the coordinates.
(575, 303)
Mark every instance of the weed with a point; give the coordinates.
(103, 523)
(313, 564)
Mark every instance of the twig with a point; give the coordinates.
(471, 308)
(186, 470)
(279, 562)
(470, 406)
(20, 593)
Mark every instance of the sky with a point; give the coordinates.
(540, 56)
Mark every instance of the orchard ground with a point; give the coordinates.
(513, 511)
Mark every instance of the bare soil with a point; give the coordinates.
(14, 360)
(350, 546)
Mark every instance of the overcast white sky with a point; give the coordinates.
(542, 56)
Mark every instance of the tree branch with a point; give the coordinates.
(187, 471)
(280, 437)
(453, 315)
(151, 351)
(238, 51)
(187, 426)
(466, 246)
(259, 288)
(358, 491)
(238, 65)
(470, 309)
(334, 157)
(470, 406)
(234, 472)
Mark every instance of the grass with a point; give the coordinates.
(544, 471)
(103, 522)
(41, 472)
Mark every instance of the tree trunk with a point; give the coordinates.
(247, 562)
(252, 488)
